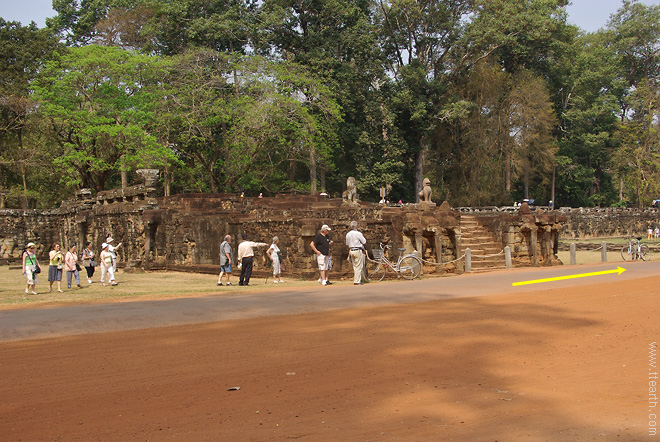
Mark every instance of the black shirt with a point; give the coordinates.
(322, 243)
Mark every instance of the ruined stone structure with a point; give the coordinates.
(183, 232)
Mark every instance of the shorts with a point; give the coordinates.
(323, 261)
(226, 268)
(30, 275)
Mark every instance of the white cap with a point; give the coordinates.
(104, 245)
(325, 227)
(31, 244)
(109, 240)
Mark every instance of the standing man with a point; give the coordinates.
(321, 246)
(113, 251)
(226, 258)
(355, 242)
(246, 258)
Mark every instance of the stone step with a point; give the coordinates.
(481, 243)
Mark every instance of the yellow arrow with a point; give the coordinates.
(618, 270)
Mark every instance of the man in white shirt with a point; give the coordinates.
(246, 258)
(355, 242)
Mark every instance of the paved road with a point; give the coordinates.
(82, 319)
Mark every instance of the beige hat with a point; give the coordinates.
(109, 240)
(31, 244)
(104, 245)
(325, 227)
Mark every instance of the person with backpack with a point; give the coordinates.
(226, 258)
(30, 266)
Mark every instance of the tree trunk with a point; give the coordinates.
(322, 178)
(419, 173)
(312, 170)
(552, 189)
(124, 176)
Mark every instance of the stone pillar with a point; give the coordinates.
(573, 259)
(419, 243)
(534, 245)
(468, 260)
(438, 247)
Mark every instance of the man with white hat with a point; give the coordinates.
(112, 249)
(321, 246)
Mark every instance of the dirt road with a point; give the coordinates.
(433, 360)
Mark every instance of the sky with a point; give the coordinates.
(589, 15)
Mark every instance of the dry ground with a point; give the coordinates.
(556, 365)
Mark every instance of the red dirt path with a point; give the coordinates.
(557, 365)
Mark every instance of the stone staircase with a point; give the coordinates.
(481, 242)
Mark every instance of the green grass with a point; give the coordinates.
(132, 286)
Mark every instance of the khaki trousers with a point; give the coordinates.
(357, 259)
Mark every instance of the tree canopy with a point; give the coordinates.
(493, 100)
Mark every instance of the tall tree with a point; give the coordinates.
(99, 101)
(634, 34)
(24, 49)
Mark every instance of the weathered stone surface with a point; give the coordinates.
(185, 231)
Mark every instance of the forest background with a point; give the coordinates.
(493, 100)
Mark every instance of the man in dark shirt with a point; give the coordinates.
(321, 246)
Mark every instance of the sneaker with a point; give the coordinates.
(33, 293)
(274, 282)
(114, 283)
(324, 282)
(219, 283)
(281, 281)
(328, 283)
(26, 291)
(320, 280)
(229, 283)
(89, 281)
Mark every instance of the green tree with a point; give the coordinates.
(24, 49)
(634, 35)
(99, 102)
(238, 123)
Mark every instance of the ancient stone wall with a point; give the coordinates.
(183, 232)
(608, 222)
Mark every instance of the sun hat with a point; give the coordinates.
(109, 240)
(104, 245)
(325, 227)
(31, 244)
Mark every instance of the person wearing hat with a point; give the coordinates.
(113, 251)
(321, 246)
(30, 265)
(246, 258)
(106, 265)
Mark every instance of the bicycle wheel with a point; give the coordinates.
(625, 253)
(645, 252)
(376, 270)
(410, 267)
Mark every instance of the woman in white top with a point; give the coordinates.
(276, 257)
(106, 265)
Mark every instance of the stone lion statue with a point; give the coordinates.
(350, 194)
(425, 194)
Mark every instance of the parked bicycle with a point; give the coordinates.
(635, 249)
(408, 266)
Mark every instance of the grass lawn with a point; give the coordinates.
(131, 286)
